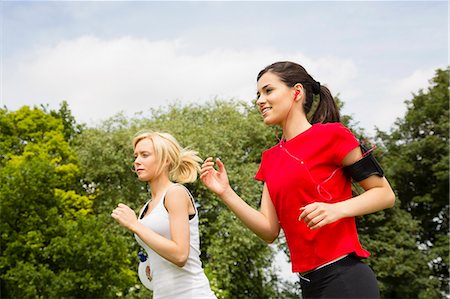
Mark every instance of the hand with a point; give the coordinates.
(319, 214)
(216, 181)
(125, 216)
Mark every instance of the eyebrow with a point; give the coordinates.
(140, 152)
(262, 88)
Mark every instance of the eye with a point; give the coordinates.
(145, 154)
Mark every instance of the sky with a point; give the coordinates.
(106, 57)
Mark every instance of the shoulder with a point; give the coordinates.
(331, 128)
(177, 197)
(270, 151)
(268, 156)
(333, 131)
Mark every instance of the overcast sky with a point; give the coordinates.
(107, 56)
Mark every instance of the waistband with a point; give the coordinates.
(346, 260)
(324, 265)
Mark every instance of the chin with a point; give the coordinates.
(269, 122)
(142, 179)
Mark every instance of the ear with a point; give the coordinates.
(167, 164)
(299, 92)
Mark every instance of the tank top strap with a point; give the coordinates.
(187, 191)
(190, 196)
(185, 188)
(144, 210)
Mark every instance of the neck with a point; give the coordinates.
(159, 185)
(295, 125)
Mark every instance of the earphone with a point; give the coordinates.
(296, 94)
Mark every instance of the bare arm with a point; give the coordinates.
(264, 223)
(378, 195)
(175, 250)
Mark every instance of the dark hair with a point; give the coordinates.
(292, 73)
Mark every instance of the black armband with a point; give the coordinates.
(364, 168)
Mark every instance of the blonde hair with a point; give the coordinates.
(183, 164)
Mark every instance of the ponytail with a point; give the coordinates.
(187, 168)
(327, 110)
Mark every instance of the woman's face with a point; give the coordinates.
(274, 99)
(145, 160)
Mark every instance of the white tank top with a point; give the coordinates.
(170, 281)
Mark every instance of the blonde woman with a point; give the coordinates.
(167, 226)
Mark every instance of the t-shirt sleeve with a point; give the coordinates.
(346, 142)
(260, 173)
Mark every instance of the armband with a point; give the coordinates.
(365, 167)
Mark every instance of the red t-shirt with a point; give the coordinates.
(306, 169)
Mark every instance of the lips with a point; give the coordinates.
(265, 110)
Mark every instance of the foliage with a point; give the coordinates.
(52, 245)
(418, 165)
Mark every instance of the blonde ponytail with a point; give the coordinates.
(188, 167)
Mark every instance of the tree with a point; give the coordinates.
(52, 245)
(417, 162)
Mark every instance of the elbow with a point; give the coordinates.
(270, 238)
(269, 241)
(181, 259)
(390, 199)
(181, 263)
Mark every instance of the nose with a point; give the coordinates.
(260, 101)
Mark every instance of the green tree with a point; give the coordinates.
(418, 163)
(52, 245)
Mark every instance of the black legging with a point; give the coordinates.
(346, 278)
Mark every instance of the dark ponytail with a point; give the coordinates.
(292, 73)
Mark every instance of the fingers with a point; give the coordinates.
(116, 212)
(313, 216)
(317, 222)
(209, 159)
(307, 210)
(119, 211)
(220, 165)
(208, 165)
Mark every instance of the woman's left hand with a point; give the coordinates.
(319, 214)
(125, 216)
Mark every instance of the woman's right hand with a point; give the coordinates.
(216, 181)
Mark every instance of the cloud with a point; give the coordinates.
(402, 89)
(419, 79)
(101, 77)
